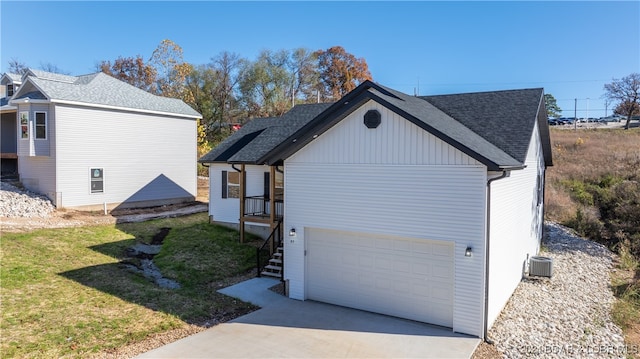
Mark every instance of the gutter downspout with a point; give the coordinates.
(504, 174)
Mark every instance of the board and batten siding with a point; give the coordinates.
(394, 180)
(37, 158)
(515, 227)
(227, 210)
(145, 157)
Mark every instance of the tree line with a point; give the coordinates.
(232, 89)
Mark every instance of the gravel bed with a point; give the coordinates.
(16, 202)
(567, 315)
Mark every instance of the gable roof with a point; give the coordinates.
(9, 77)
(493, 127)
(258, 137)
(98, 90)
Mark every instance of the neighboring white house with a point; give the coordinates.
(425, 208)
(86, 141)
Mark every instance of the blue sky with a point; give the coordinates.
(571, 49)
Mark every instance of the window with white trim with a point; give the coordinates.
(41, 125)
(9, 90)
(24, 125)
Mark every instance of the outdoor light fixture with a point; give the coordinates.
(467, 252)
(292, 232)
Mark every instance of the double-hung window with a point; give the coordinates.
(41, 125)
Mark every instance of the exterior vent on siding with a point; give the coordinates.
(540, 266)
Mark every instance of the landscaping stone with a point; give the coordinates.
(567, 315)
(16, 202)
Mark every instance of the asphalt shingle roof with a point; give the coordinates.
(102, 89)
(260, 136)
(504, 118)
(495, 127)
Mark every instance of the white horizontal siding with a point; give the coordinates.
(37, 169)
(144, 157)
(37, 173)
(443, 203)
(515, 227)
(395, 141)
(228, 209)
(396, 179)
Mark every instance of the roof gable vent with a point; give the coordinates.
(372, 119)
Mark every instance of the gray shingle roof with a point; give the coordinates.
(495, 128)
(260, 136)
(102, 89)
(504, 118)
(11, 77)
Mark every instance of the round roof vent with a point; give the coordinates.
(372, 119)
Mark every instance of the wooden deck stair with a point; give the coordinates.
(274, 268)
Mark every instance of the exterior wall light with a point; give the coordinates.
(468, 251)
(292, 232)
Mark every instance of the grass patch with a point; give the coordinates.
(65, 292)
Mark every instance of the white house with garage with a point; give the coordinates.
(93, 141)
(426, 208)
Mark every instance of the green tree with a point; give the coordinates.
(167, 60)
(303, 68)
(340, 72)
(265, 85)
(553, 110)
(626, 92)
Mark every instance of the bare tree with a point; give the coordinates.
(626, 92)
(17, 67)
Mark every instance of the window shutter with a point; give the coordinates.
(267, 186)
(224, 184)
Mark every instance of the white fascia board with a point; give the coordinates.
(8, 109)
(87, 104)
(20, 90)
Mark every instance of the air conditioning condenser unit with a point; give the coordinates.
(540, 266)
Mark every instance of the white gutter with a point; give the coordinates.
(110, 107)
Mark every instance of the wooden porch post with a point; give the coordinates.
(243, 194)
(272, 204)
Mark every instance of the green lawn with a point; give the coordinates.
(64, 292)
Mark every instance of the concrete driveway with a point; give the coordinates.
(287, 328)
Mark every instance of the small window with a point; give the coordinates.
(540, 186)
(41, 126)
(9, 90)
(97, 180)
(24, 125)
(230, 184)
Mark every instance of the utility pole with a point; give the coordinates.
(575, 114)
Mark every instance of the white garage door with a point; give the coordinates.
(402, 277)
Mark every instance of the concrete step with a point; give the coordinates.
(276, 261)
(270, 274)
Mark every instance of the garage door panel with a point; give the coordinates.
(404, 277)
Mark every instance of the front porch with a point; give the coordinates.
(267, 208)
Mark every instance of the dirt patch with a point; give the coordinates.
(62, 218)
